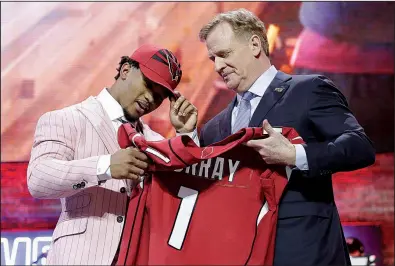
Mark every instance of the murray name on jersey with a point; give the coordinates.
(214, 169)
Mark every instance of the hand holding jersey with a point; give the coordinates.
(128, 164)
(276, 149)
(218, 206)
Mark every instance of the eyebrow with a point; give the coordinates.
(219, 52)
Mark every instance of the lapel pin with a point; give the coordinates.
(280, 89)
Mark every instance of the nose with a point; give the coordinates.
(219, 64)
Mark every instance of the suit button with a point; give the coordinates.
(119, 219)
(122, 190)
(82, 184)
(75, 187)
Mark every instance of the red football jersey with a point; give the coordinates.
(212, 205)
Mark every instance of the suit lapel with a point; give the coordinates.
(225, 124)
(94, 112)
(272, 95)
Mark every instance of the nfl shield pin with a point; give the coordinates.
(280, 89)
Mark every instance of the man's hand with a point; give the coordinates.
(128, 163)
(275, 149)
(183, 115)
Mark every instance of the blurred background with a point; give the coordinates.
(55, 54)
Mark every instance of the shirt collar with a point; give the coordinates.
(111, 106)
(262, 83)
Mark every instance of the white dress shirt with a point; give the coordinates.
(115, 113)
(258, 88)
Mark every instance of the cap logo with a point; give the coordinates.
(168, 58)
(174, 66)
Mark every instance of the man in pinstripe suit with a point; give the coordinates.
(76, 158)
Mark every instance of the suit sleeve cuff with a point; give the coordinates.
(103, 168)
(301, 158)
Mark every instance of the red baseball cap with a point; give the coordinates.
(159, 65)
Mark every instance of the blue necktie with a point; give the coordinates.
(244, 113)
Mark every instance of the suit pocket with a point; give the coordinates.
(77, 202)
(70, 227)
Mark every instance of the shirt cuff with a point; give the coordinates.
(103, 168)
(301, 158)
(193, 135)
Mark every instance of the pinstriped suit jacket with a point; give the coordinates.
(67, 145)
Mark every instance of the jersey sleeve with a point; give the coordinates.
(166, 153)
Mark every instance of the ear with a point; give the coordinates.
(255, 45)
(125, 70)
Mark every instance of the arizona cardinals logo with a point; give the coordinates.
(169, 59)
(174, 66)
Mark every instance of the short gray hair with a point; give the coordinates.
(243, 23)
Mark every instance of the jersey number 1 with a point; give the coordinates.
(183, 218)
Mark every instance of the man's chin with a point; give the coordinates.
(131, 116)
(232, 87)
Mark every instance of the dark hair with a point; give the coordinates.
(130, 61)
